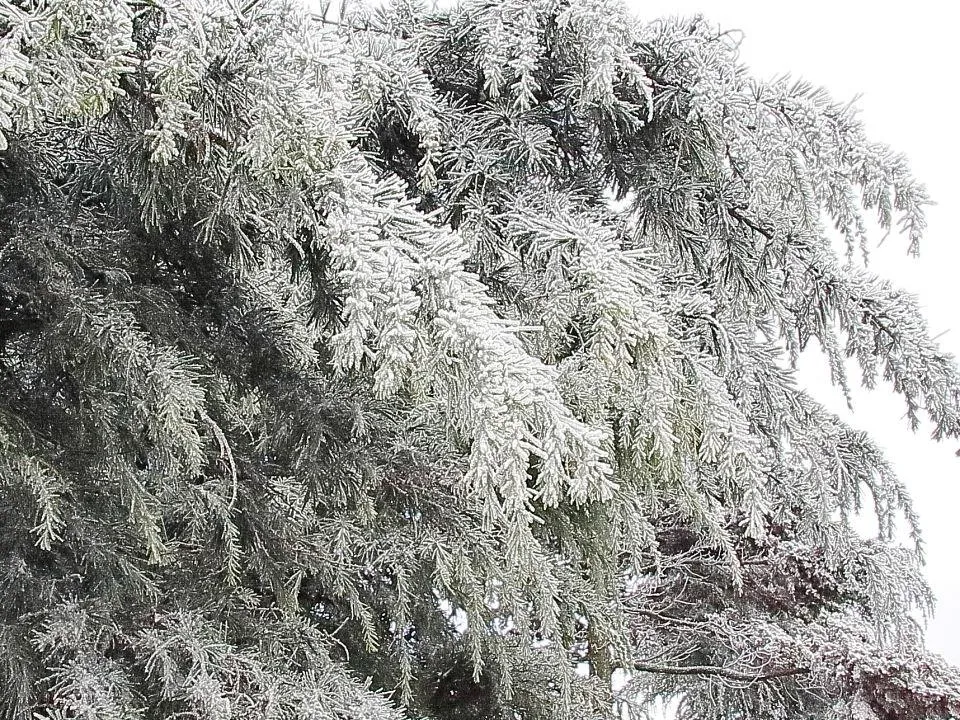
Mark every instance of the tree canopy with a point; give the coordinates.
(439, 364)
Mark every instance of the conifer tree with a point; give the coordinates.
(439, 364)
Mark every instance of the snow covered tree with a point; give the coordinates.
(438, 364)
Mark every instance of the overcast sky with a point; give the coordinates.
(902, 59)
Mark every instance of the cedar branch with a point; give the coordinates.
(715, 670)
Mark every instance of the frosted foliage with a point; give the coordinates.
(425, 363)
(62, 60)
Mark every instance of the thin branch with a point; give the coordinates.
(750, 223)
(355, 28)
(666, 618)
(714, 670)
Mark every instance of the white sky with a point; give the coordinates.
(902, 58)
